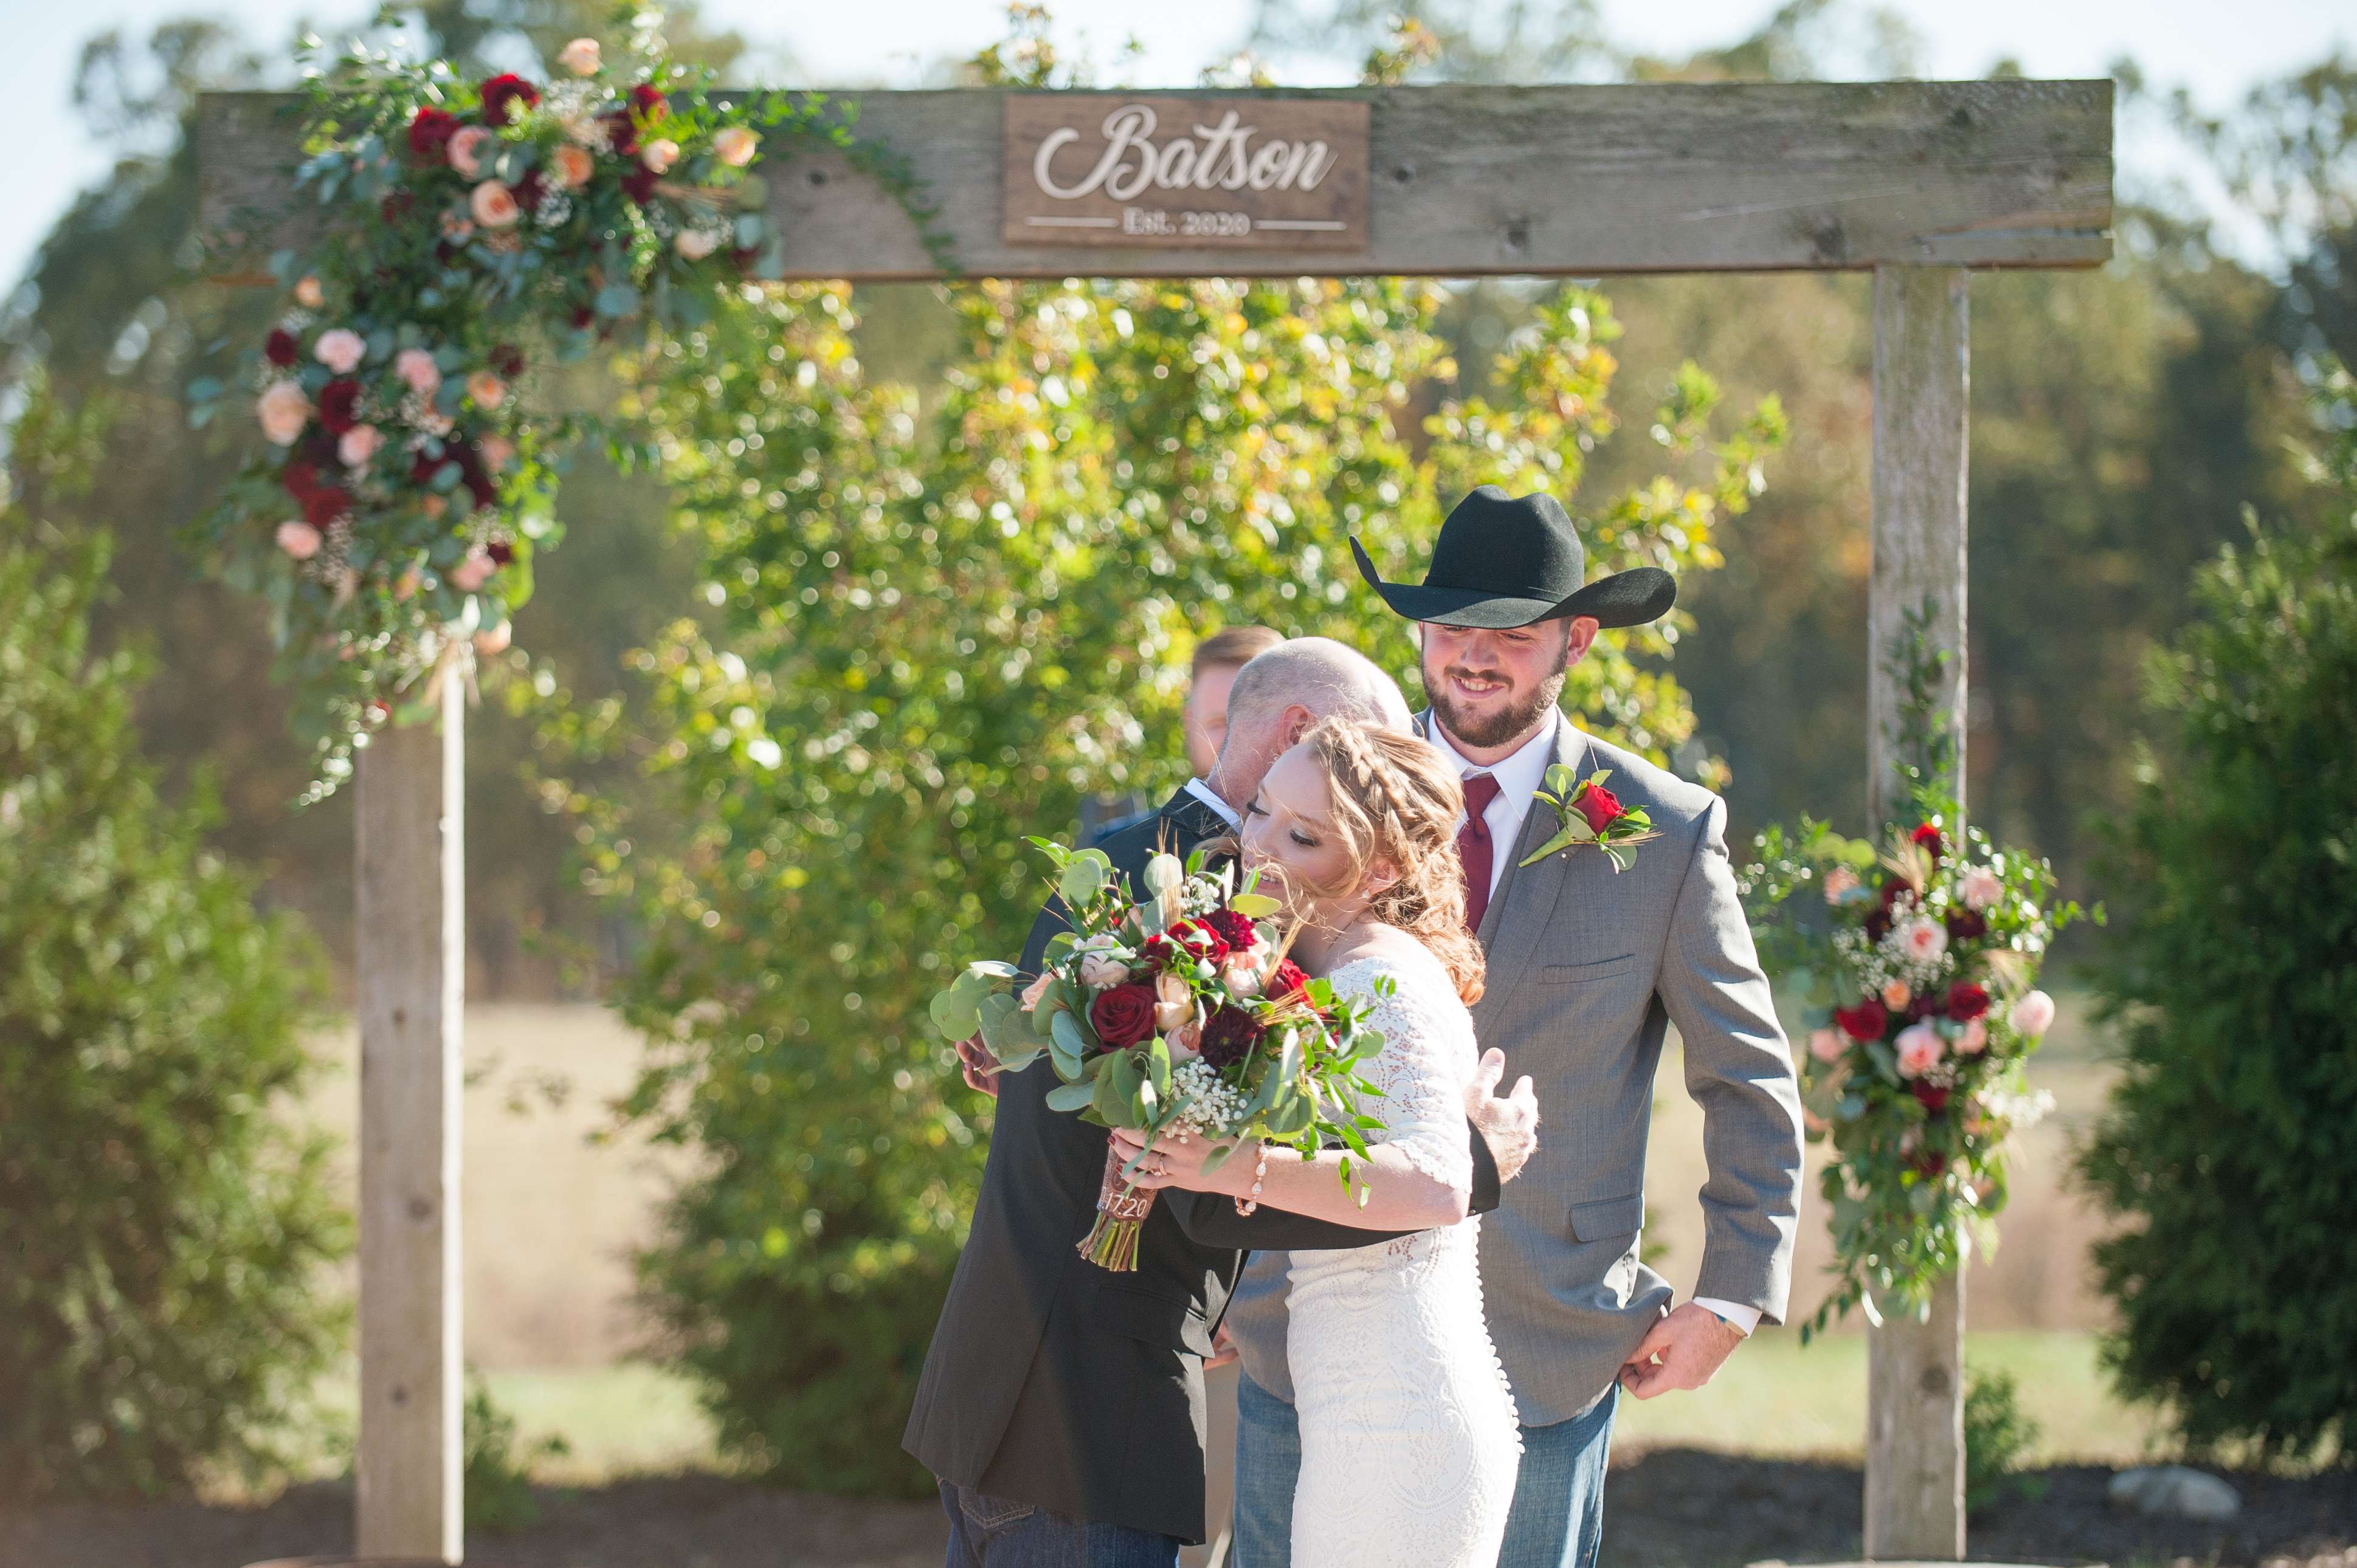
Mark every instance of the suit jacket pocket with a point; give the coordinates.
(1608, 1218)
(1573, 973)
(1171, 1322)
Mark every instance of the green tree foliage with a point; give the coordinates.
(164, 1229)
(2230, 1142)
(939, 631)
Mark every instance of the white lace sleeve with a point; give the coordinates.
(1427, 1055)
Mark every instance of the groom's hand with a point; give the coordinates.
(1682, 1351)
(1511, 1125)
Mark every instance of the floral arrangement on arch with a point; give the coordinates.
(1917, 963)
(476, 233)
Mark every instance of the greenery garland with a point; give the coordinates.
(477, 233)
(1919, 978)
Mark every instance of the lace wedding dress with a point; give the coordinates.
(1409, 1443)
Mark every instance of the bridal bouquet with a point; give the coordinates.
(1173, 1011)
(1920, 978)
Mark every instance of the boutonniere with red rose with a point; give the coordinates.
(1592, 814)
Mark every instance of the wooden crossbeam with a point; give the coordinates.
(1465, 181)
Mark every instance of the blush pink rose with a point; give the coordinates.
(473, 572)
(1035, 991)
(695, 244)
(1826, 1046)
(466, 150)
(660, 155)
(1972, 1039)
(1099, 972)
(282, 411)
(2032, 1016)
(297, 538)
(359, 443)
(581, 57)
(1242, 973)
(486, 389)
(1980, 887)
(1840, 883)
(497, 452)
(341, 350)
(1923, 940)
(494, 638)
(1920, 1049)
(417, 372)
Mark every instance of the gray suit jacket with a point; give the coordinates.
(1587, 969)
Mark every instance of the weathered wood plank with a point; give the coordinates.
(1476, 180)
(411, 967)
(1915, 1432)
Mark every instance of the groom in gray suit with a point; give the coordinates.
(1587, 969)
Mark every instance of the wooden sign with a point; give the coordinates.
(1183, 171)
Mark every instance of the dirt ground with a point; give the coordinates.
(1669, 1508)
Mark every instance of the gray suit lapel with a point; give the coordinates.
(1519, 916)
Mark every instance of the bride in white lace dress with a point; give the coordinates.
(1409, 1443)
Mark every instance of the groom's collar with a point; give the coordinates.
(1210, 797)
(1521, 772)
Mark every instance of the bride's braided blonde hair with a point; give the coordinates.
(1396, 800)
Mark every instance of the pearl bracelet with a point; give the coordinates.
(1245, 1206)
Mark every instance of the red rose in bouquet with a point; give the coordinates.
(1287, 978)
(1599, 805)
(430, 131)
(501, 93)
(1865, 1021)
(1931, 1096)
(1928, 837)
(648, 100)
(280, 348)
(339, 403)
(1123, 1016)
(1966, 1001)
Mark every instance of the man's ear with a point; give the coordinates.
(1578, 638)
(1299, 722)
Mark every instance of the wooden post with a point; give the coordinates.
(412, 953)
(1915, 1399)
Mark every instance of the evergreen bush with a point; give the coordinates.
(161, 1228)
(2229, 1145)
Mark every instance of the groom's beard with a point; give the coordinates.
(1517, 716)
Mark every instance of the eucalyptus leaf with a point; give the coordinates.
(1072, 1096)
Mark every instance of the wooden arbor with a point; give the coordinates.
(1918, 182)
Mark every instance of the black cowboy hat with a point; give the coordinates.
(1504, 561)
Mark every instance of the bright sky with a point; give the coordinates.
(891, 43)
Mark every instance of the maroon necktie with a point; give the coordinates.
(1473, 847)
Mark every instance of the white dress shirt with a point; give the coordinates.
(1519, 775)
(1210, 796)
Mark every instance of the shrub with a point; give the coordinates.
(498, 1481)
(161, 1229)
(1997, 1437)
(2230, 1142)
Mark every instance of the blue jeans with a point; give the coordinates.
(1558, 1520)
(1268, 1467)
(998, 1532)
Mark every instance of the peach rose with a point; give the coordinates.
(659, 153)
(433, 507)
(417, 372)
(1920, 1049)
(283, 411)
(1896, 995)
(486, 389)
(695, 243)
(1242, 973)
(574, 166)
(297, 538)
(341, 350)
(735, 146)
(1840, 882)
(2032, 1016)
(457, 228)
(1035, 991)
(494, 205)
(359, 443)
(497, 451)
(1174, 1004)
(495, 638)
(1972, 1038)
(466, 149)
(1826, 1046)
(580, 57)
(309, 294)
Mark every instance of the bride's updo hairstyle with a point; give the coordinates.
(1396, 800)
